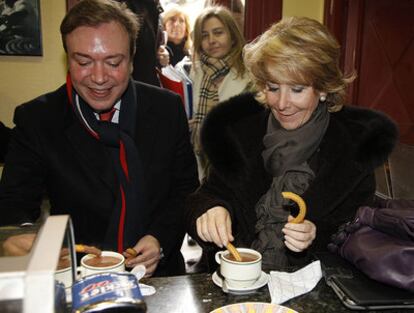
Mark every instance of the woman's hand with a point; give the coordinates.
(163, 56)
(215, 226)
(191, 124)
(299, 237)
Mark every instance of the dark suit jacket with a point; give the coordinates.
(50, 151)
(4, 140)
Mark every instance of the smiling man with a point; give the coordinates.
(113, 153)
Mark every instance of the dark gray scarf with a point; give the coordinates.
(127, 219)
(285, 157)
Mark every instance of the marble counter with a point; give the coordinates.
(198, 294)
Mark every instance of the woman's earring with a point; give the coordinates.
(323, 98)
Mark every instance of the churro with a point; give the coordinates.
(132, 252)
(301, 204)
(88, 249)
(234, 252)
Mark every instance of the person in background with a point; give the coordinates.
(149, 40)
(113, 153)
(177, 25)
(295, 134)
(218, 71)
(4, 141)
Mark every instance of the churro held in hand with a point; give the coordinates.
(301, 204)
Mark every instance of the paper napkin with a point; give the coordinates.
(284, 286)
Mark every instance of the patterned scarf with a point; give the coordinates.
(285, 157)
(125, 224)
(213, 70)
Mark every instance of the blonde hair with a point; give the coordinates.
(236, 37)
(298, 50)
(173, 11)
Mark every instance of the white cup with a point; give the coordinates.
(240, 274)
(64, 276)
(86, 269)
(63, 272)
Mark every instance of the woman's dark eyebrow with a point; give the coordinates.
(214, 29)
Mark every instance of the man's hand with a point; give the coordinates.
(148, 251)
(299, 237)
(215, 226)
(18, 245)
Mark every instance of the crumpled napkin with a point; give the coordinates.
(284, 286)
(139, 272)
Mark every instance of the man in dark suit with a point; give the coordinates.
(113, 153)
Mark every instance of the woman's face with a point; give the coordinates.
(175, 27)
(215, 38)
(291, 105)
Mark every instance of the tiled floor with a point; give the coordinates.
(192, 254)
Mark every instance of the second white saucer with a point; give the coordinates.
(263, 280)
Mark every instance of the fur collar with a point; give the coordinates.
(372, 135)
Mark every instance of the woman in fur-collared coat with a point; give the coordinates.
(294, 135)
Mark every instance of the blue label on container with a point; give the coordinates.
(106, 287)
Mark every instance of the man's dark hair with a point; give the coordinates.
(96, 12)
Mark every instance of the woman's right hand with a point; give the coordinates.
(163, 56)
(191, 124)
(215, 226)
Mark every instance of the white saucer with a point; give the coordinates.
(263, 279)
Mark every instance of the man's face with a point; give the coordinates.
(99, 63)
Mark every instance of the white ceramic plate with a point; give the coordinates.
(263, 279)
(256, 307)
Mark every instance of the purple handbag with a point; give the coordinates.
(380, 242)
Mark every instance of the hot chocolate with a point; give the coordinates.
(102, 261)
(246, 257)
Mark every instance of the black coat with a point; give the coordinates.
(177, 52)
(147, 42)
(4, 141)
(51, 151)
(356, 142)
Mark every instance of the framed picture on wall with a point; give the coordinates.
(20, 31)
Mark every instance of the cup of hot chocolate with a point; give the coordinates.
(108, 261)
(63, 271)
(240, 274)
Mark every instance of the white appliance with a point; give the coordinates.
(27, 283)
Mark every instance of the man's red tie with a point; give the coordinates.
(107, 116)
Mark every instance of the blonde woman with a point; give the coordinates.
(218, 71)
(177, 25)
(294, 135)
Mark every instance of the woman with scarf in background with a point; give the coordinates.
(295, 134)
(218, 71)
